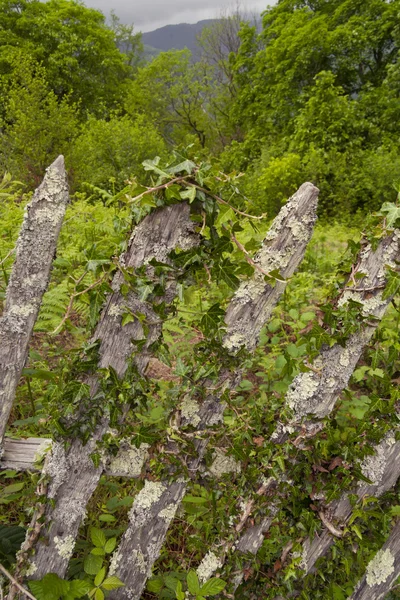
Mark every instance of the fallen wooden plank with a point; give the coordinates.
(28, 455)
(29, 279)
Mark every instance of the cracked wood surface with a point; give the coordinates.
(382, 571)
(73, 474)
(29, 279)
(283, 249)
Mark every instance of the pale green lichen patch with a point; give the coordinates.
(380, 568)
(150, 494)
(208, 566)
(190, 410)
(374, 467)
(57, 468)
(116, 311)
(24, 310)
(31, 570)
(65, 548)
(129, 461)
(114, 563)
(223, 464)
(168, 513)
(300, 396)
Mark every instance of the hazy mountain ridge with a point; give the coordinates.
(182, 35)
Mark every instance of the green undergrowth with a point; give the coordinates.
(94, 233)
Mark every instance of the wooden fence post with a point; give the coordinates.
(29, 279)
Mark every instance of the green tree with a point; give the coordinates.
(37, 126)
(111, 151)
(73, 44)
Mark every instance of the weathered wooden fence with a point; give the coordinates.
(311, 397)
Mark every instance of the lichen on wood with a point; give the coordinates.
(29, 279)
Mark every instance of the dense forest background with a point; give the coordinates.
(310, 94)
(313, 96)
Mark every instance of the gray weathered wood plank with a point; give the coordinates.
(251, 306)
(29, 279)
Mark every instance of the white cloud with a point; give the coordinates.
(152, 14)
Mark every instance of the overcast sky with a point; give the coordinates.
(151, 14)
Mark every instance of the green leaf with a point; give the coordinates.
(357, 531)
(212, 587)
(92, 564)
(171, 582)
(186, 165)
(110, 545)
(127, 318)
(12, 489)
(180, 594)
(79, 588)
(395, 511)
(189, 194)
(98, 538)
(98, 551)
(155, 585)
(193, 582)
(100, 576)
(107, 518)
(391, 212)
(99, 595)
(112, 583)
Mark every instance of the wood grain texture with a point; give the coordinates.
(282, 250)
(73, 474)
(29, 279)
(248, 311)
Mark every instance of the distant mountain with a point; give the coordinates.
(176, 36)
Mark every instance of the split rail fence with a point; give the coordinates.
(311, 398)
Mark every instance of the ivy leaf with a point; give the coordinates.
(186, 165)
(392, 286)
(151, 165)
(98, 538)
(112, 583)
(211, 321)
(212, 587)
(193, 583)
(127, 318)
(225, 271)
(189, 194)
(391, 212)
